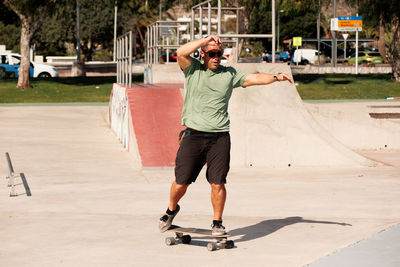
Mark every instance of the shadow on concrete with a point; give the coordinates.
(267, 227)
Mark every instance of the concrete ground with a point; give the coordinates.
(380, 250)
(91, 207)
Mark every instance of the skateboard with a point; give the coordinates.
(183, 235)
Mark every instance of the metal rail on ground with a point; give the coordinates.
(11, 177)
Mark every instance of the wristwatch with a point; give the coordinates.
(276, 77)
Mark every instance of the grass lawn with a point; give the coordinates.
(98, 89)
(343, 86)
(60, 90)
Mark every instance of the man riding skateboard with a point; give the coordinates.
(205, 114)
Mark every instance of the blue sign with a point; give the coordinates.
(350, 18)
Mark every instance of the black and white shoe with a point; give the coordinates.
(166, 220)
(218, 228)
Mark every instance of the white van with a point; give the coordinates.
(305, 56)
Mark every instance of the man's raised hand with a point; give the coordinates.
(215, 39)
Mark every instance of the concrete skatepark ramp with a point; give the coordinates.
(354, 124)
(146, 118)
(270, 126)
(156, 119)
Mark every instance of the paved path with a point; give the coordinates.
(91, 207)
(380, 250)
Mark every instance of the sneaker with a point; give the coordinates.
(166, 220)
(218, 228)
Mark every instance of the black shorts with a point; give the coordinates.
(198, 148)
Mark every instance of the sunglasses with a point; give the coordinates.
(213, 53)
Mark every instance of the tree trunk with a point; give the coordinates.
(396, 48)
(23, 79)
(243, 27)
(381, 45)
(241, 43)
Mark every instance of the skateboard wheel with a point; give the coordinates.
(211, 246)
(170, 241)
(229, 244)
(186, 239)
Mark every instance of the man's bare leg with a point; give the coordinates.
(218, 197)
(176, 193)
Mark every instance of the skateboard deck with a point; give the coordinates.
(183, 235)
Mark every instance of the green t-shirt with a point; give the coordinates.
(207, 96)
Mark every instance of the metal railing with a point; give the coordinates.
(161, 35)
(207, 5)
(11, 177)
(125, 45)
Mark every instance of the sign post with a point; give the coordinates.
(348, 24)
(334, 28)
(356, 52)
(345, 36)
(297, 42)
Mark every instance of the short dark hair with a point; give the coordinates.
(205, 46)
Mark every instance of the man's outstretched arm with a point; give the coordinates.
(264, 78)
(184, 52)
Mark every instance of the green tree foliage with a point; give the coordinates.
(57, 30)
(382, 14)
(258, 48)
(260, 21)
(96, 28)
(97, 25)
(136, 15)
(299, 18)
(9, 28)
(9, 36)
(383, 19)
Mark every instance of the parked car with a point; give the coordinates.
(173, 57)
(10, 62)
(284, 56)
(227, 52)
(224, 59)
(365, 57)
(11, 70)
(279, 56)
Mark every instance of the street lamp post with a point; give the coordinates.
(277, 37)
(78, 39)
(115, 31)
(334, 43)
(77, 65)
(160, 10)
(318, 31)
